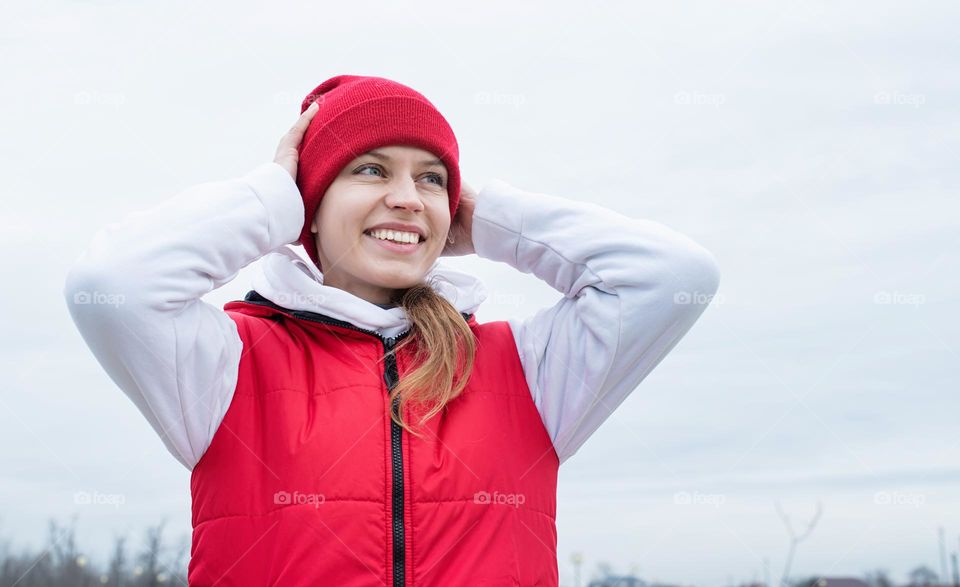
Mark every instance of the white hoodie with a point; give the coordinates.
(631, 290)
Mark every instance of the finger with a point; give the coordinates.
(305, 117)
(295, 134)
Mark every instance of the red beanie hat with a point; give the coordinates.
(358, 114)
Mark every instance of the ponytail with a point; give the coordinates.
(444, 343)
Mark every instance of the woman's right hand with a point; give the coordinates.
(287, 151)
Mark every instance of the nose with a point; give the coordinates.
(402, 193)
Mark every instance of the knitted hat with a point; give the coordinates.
(360, 113)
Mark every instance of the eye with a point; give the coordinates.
(368, 166)
(437, 177)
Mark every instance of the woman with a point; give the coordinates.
(350, 422)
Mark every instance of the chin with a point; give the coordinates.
(397, 276)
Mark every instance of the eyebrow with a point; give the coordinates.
(425, 162)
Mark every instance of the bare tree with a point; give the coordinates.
(795, 539)
(63, 564)
(181, 558)
(922, 576)
(118, 562)
(150, 557)
(878, 578)
(68, 567)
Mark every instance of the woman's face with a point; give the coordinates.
(395, 184)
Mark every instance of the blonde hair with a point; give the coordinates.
(444, 344)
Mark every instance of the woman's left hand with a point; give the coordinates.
(461, 229)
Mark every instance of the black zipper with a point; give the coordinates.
(391, 377)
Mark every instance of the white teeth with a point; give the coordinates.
(395, 235)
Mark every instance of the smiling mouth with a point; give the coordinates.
(394, 246)
(395, 236)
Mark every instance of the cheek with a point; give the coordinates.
(340, 219)
(439, 228)
(440, 214)
(337, 237)
(337, 234)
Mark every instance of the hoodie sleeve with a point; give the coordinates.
(134, 295)
(631, 289)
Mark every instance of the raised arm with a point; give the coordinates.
(632, 288)
(135, 292)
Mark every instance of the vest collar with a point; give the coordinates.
(295, 283)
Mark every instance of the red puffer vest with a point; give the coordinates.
(309, 482)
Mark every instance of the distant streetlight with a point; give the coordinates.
(576, 558)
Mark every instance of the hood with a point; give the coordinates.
(294, 282)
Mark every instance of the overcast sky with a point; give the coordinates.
(811, 146)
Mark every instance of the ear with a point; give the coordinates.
(313, 227)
